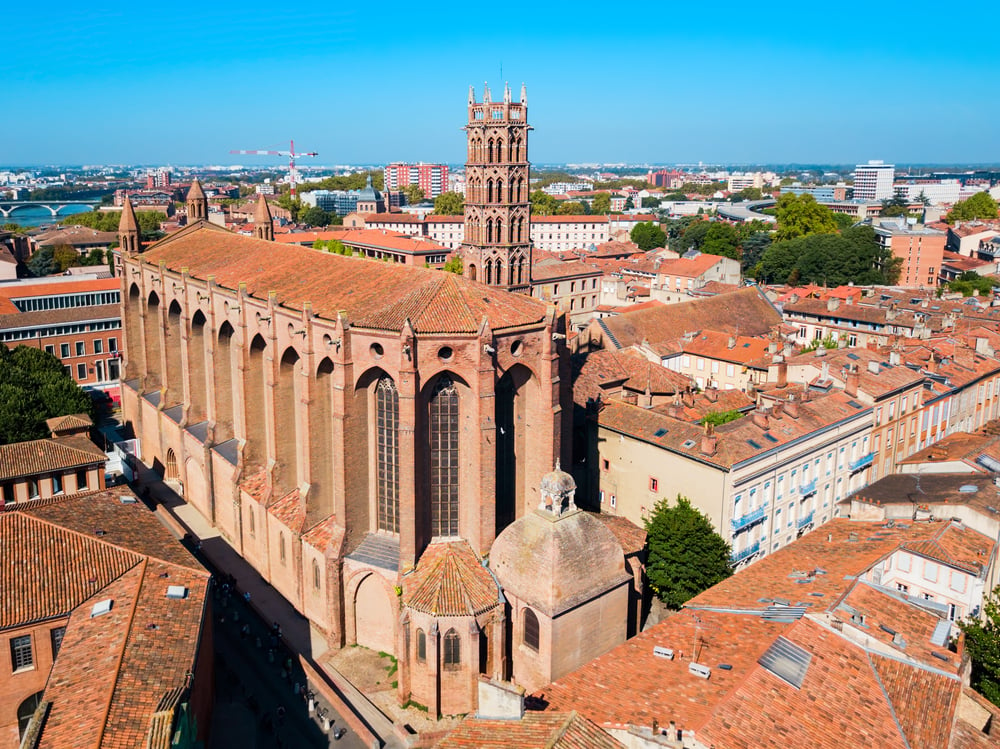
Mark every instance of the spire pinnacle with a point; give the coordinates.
(472, 95)
(128, 220)
(524, 94)
(506, 93)
(486, 93)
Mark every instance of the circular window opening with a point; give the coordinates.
(516, 347)
(291, 329)
(377, 350)
(445, 353)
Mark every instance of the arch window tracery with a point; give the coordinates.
(444, 454)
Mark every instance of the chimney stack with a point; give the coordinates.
(852, 381)
(731, 343)
(712, 393)
(777, 408)
(709, 441)
(792, 406)
(760, 418)
(687, 397)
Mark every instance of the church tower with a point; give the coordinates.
(263, 226)
(128, 230)
(197, 203)
(497, 246)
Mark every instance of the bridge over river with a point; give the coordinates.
(9, 207)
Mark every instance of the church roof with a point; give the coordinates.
(374, 295)
(261, 211)
(128, 221)
(555, 562)
(450, 581)
(195, 191)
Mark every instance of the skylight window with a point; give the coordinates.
(177, 591)
(754, 445)
(787, 661)
(659, 432)
(101, 607)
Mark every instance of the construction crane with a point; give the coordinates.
(290, 153)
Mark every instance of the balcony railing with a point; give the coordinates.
(807, 489)
(751, 518)
(739, 556)
(806, 520)
(863, 462)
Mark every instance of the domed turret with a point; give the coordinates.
(558, 490)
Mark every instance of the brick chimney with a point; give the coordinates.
(852, 381)
(709, 441)
(676, 409)
(777, 408)
(760, 418)
(687, 397)
(792, 407)
(731, 343)
(712, 393)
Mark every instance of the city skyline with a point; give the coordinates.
(658, 85)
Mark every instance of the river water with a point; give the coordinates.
(38, 216)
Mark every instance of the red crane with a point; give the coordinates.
(290, 153)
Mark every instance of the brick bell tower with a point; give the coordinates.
(497, 245)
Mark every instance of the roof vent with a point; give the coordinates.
(177, 591)
(101, 607)
(726, 666)
(702, 672)
(127, 499)
(887, 629)
(968, 488)
(663, 653)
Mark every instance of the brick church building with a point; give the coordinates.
(358, 431)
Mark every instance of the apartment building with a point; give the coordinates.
(431, 178)
(873, 181)
(77, 320)
(920, 249)
(571, 285)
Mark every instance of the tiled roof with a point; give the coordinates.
(738, 440)
(48, 455)
(449, 580)
(73, 421)
(327, 534)
(689, 267)
(114, 671)
(289, 510)
(46, 571)
(11, 319)
(631, 537)
(746, 312)
(381, 239)
(957, 545)
(558, 270)
(373, 294)
(715, 345)
(535, 731)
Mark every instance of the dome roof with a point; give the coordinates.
(555, 562)
(557, 482)
(368, 193)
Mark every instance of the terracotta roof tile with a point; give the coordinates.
(73, 421)
(631, 537)
(373, 294)
(48, 455)
(535, 731)
(449, 580)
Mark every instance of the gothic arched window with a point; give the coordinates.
(488, 276)
(317, 576)
(443, 437)
(489, 191)
(387, 454)
(499, 150)
(421, 646)
(489, 151)
(530, 629)
(489, 231)
(499, 190)
(452, 650)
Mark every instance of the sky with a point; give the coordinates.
(660, 82)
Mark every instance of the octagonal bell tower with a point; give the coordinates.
(497, 246)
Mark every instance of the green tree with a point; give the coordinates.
(601, 204)
(694, 235)
(34, 387)
(969, 282)
(94, 257)
(980, 205)
(721, 239)
(686, 555)
(801, 216)
(982, 643)
(42, 263)
(449, 204)
(543, 204)
(648, 236)
(454, 264)
(652, 201)
(65, 257)
(629, 203)
(843, 221)
(414, 194)
(293, 205)
(717, 418)
(752, 250)
(897, 205)
(314, 216)
(855, 255)
(571, 208)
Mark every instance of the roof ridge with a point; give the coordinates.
(561, 731)
(888, 699)
(98, 540)
(121, 655)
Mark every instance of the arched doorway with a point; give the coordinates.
(374, 616)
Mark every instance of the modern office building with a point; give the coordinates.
(873, 181)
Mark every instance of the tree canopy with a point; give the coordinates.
(35, 387)
(449, 204)
(601, 204)
(454, 264)
(648, 236)
(543, 204)
(686, 555)
(980, 205)
(970, 281)
(855, 255)
(354, 181)
(802, 216)
(316, 216)
(982, 642)
(414, 194)
(149, 222)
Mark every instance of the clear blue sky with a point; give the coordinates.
(661, 82)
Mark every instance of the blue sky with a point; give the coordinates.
(662, 82)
